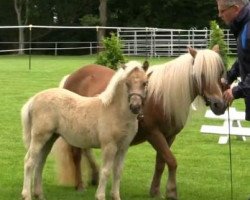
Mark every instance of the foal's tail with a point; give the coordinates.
(26, 122)
(64, 162)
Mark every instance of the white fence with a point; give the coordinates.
(137, 41)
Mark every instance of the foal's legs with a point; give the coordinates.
(31, 159)
(159, 142)
(117, 169)
(38, 192)
(108, 155)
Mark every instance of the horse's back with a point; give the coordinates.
(89, 80)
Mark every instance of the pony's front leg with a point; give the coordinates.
(117, 170)
(159, 142)
(108, 156)
(159, 168)
(94, 167)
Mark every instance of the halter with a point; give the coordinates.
(137, 94)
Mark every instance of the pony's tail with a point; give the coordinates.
(26, 122)
(64, 164)
(62, 82)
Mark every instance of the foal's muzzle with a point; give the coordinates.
(135, 102)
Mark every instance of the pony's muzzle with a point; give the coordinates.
(218, 107)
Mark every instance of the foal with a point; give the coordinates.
(107, 121)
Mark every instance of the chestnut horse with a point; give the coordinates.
(172, 88)
(107, 121)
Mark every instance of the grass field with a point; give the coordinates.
(203, 164)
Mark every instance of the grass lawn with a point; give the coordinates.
(203, 165)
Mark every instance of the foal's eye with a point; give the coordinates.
(145, 83)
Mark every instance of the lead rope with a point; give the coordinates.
(230, 152)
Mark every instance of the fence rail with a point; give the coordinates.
(136, 41)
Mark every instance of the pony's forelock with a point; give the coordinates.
(172, 84)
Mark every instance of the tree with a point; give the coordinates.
(217, 37)
(103, 20)
(19, 6)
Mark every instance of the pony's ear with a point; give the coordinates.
(216, 48)
(192, 51)
(145, 65)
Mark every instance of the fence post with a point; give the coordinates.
(56, 48)
(30, 38)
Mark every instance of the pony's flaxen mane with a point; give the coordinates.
(173, 83)
(108, 95)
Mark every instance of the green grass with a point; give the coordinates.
(203, 164)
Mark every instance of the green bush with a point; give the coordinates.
(112, 54)
(217, 37)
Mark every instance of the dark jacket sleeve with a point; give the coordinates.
(233, 73)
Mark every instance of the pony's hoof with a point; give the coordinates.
(80, 188)
(95, 178)
(154, 193)
(171, 198)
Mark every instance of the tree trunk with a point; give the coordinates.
(103, 22)
(18, 4)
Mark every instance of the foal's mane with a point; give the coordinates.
(172, 83)
(109, 93)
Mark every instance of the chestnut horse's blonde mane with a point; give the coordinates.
(108, 94)
(172, 83)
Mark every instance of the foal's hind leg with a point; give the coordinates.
(31, 159)
(38, 192)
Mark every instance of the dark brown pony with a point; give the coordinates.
(172, 88)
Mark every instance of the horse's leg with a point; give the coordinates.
(38, 192)
(94, 168)
(117, 170)
(31, 159)
(108, 156)
(77, 157)
(159, 142)
(159, 168)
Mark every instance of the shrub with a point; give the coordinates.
(112, 54)
(217, 37)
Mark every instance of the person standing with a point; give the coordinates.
(236, 14)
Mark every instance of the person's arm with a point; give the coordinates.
(233, 73)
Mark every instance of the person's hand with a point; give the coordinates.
(228, 96)
(224, 84)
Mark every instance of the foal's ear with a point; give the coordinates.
(149, 74)
(123, 66)
(216, 48)
(145, 65)
(192, 51)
